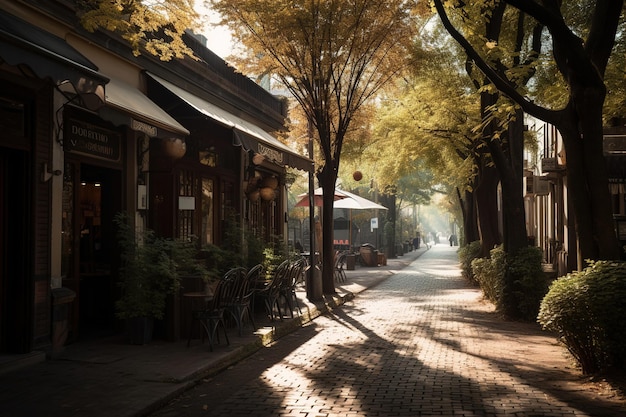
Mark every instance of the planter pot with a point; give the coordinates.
(139, 330)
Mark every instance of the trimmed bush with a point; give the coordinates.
(587, 310)
(515, 283)
(528, 282)
(489, 273)
(467, 253)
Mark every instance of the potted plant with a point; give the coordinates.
(147, 275)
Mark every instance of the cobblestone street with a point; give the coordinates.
(422, 343)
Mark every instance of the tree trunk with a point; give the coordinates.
(470, 219)
(588, 182)
(487, 209)
(511, 180)
(327, 178)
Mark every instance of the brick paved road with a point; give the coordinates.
(422, 343)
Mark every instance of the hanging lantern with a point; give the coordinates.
(253, 184)
(271, 182)
(268, 193)
(357, 175)
(257, 159)
(254, 196)
(174, 147)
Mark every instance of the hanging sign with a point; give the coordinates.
(88, 139)
(374, 223)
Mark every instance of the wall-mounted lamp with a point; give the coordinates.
(47, 175)
(268, 193)
(258, 159)
(174, 147)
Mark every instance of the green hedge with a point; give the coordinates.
(587, 309)
(467, 253)
(515, 283)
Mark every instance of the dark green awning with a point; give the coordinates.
(48, 56)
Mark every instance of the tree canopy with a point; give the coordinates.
(333, 56)
(156, 26)
(580, 54)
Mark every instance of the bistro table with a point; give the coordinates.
(198, 302)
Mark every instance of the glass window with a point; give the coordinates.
(12, 117)
(207, 211)
(185, 217)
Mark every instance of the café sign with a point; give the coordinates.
(88, 139)
(271, 154)
(143, 127)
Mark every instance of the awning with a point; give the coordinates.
(126, 105)
(49, 56)
(247, 134)
(343, 200)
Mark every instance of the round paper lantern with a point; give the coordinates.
(271, 182)
(254, 196)
(257, 159)
(357, 175)
(268, 193)
(174, 147)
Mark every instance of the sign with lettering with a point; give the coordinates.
(270, 153)
(149, 130)
(88, 139)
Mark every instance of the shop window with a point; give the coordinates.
(208, 157)
(67, 243)
(207, 199)
(12, 117)
(228, 190)
(185, 217)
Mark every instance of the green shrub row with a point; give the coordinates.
(515, 283)
(467, 253)
(587, 309)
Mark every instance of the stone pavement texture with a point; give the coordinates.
(422, 343)
(419, 342)
(112, 378)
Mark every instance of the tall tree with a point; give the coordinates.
(513, 46)
(428, 124)
(582, 64)
(333, 56)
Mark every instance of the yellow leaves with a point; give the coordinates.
(156, 26)
(491, 44)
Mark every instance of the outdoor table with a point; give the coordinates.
(198, 302)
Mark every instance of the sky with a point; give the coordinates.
(218, 37)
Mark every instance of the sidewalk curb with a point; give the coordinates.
(310, 311)
(266, 337)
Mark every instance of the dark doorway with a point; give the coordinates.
(92, 275)
(15, 256)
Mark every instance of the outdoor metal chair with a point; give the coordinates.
(212, 318)
(340, 262)
(270, 292)
(287, 290)
(237, 299)
(240, 306)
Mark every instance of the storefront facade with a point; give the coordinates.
(86, 133)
